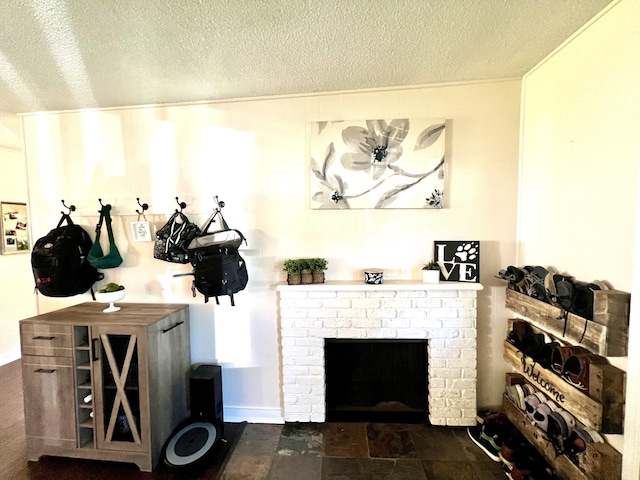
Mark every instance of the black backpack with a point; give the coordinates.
(218, 268)
(60, 263)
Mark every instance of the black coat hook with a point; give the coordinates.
(182, 205)
(107, 206)
(143, 205)
(71, 208)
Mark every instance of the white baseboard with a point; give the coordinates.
(252, 415)
(10, 356)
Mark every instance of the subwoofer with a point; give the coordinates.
(193, 442)
(206, 393)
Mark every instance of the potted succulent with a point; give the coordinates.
(317, 267)
(293, 267)
(431, 272)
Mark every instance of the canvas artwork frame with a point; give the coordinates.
(459, 260)
(14, 222)
(377, 163)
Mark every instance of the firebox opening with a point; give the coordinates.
(376, 380)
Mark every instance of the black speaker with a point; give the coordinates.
(206, 394)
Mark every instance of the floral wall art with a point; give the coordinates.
(377, 163)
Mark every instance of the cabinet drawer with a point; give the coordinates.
(46, 340)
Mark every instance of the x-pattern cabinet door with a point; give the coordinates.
(122, 409)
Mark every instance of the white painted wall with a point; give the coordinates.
(579, 169)
(252, 154)
(17, 300)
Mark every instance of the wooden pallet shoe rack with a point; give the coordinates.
(602, 406)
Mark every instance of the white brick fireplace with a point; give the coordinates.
(444, 314)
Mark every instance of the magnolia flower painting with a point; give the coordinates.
(377, 164)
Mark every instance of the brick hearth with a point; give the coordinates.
(443, 313)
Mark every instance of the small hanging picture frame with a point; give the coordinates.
(141, 230)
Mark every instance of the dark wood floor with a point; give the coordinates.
(13, 450)
(328, 451)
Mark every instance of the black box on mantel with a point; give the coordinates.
(206, 394)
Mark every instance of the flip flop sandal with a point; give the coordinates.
(549, 284)
(601, 284)
(535, 283)
(575, 370)
(561, 354)
(520, 278)
(507, 275)
(565, 292)
(516, 394)
(515, 277)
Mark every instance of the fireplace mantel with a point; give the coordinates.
(443, 313)
(387, 285)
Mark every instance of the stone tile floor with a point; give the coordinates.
(358, 451)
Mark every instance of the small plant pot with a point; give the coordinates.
(294, 278)
(430, 276)
(318, 277)
(307, 277)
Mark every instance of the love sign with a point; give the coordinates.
(459, 260)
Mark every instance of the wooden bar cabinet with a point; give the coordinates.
(105, 386)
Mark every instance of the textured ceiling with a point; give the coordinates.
(70, 54)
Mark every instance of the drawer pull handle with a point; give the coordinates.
(172, 327)
(94, 349)
(45, 370)
(42, 337)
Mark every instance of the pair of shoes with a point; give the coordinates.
(583, 301)
(572, 364)
(533, 344)
(515, 276)
(560, 289)
(525, 339)
(576, 369)
(576, 443)
(540, 417)
(560, 425)
(517, 393)
(514, 448)
(489, 435)
(530, 466)
(532, 401)
(535, 282)
(487, 414)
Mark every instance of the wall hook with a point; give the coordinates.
(143, 205)
(71, 208)
(108, 206)
(182, 205)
